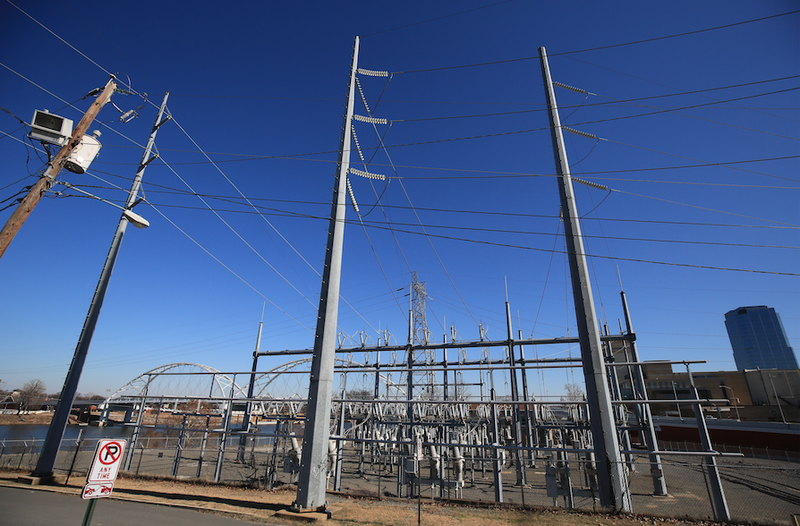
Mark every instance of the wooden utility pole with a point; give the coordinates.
(46, 182)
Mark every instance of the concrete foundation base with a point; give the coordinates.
(311, 515)
(32, 480)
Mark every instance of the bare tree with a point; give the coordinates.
(359, 394)
(31, 392)
(574, 393)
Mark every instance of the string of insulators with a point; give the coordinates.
(363, 98)
(368, 175)
(371, 120)
(571, 88)
(352, 195)
(590, 183)
(358, 146)
(371, 73)
(578, 132)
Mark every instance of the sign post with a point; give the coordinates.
(102, 474)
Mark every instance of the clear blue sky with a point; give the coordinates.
(700, 153)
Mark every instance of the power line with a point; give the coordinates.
(495, 174)
(693, 106)
(419, 221)
(241, 237)
(393, 224)
(613, 258)
(616, 238)
(81, 53)
(289, 213)
(610, 46)
(599, 104)
(226, 267)
(676, 35)
(234, 230)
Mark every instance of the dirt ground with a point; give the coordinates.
(258, 505)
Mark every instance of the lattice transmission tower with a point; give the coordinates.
(421, 380)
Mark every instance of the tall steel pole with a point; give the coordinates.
(312, 480)
(45, 182)
(612, 482)
(246, 420)
(519, 459)
(52, 441)
(643, 410)
(720, 503)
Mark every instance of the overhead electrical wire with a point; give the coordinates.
(588, 236)
(730, 165)
(694, 106)
(614, 258)
(378, 203)
(425, 233)
(258, 213)
(448, 210)
(382, 146)
(673, 223)
(226, 267)
(679, 91)
(609, 46)
(235, 232)
(515, 132)
(492, 174)
(81, 53)
(553, 54)
(252, 206)
(677, 35)
(71, 105)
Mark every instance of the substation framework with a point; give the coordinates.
(437, 437)
(432, 413)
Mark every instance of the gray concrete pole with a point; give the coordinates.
(610, 470)
(55, 433)
(312, 480)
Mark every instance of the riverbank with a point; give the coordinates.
(258, 505)
(28, 419)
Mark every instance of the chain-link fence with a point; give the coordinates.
(760, 486)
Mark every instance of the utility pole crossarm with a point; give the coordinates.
(45, 182)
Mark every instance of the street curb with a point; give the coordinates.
(76, 492)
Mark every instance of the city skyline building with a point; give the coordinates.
(758, 339)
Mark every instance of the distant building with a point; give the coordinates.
(758, 339)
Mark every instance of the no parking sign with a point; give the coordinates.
(105, 465)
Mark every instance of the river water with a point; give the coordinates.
(31, 431)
